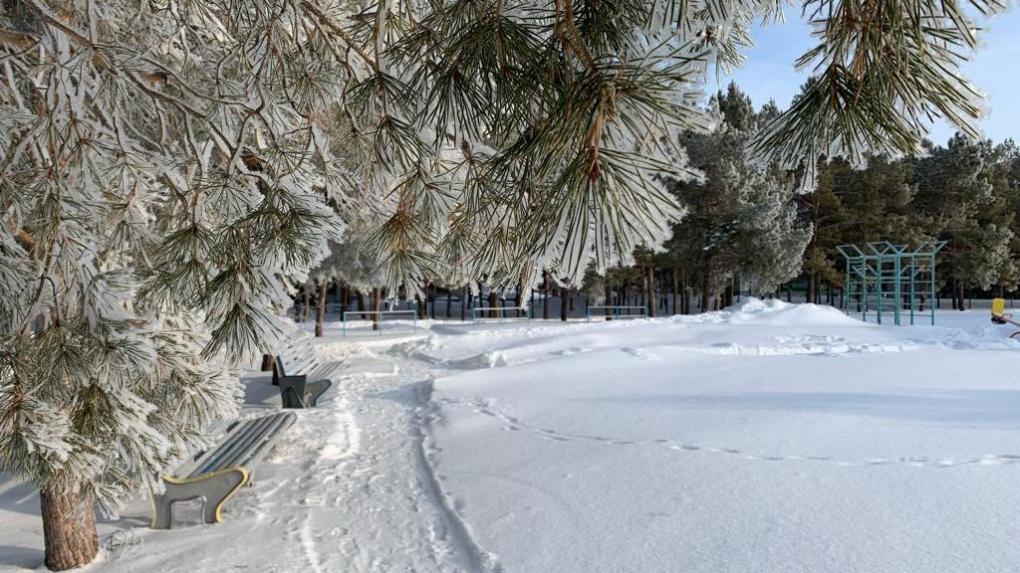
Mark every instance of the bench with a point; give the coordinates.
(291, 372)
(214, 475)
(1000, 316)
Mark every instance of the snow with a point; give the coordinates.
(770, 437)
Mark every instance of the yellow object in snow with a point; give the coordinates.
(998, 306)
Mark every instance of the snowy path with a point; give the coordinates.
(398, 520)
(348, 488)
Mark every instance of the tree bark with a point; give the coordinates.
(375, 308)
(675, 292)
(307, 298)
(69, 529)
(545, 295)
(345, 296)
(320, 311)
(706, 282)
(609, 299)
(642, 287)
(267, 363)
(493, 304)
(653, 298)
(432, 299)
(464, 300)
(564, 295)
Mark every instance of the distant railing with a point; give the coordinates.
(615, 312)
(478, 312)
(379, 317)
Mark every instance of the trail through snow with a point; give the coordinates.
(348, 488)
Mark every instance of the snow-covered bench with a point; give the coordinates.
(213, 476)
(292, 369)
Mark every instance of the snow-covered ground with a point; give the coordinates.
(767, 438)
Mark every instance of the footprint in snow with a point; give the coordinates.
(639, 353)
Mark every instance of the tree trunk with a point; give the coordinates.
(564, 295)
(307, 304)
(641, 288)
(345, 299)
(432, 299)
(652, 297)
(69, 529)
(267, 363)
(320, 311)
(361, 303)
(493, 304)
(675, 292)
(464, 302)
(545, 295)
(706, 281)
(609, 299)
(375, 308)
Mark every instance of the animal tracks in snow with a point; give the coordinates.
(513, 424)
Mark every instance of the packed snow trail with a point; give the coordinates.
(349, 488)
(402, 519)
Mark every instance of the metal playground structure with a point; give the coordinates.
(890, 280)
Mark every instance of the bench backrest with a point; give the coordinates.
(298, 356)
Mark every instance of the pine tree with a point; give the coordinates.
(172, 169)
(161, 178)
(955, 191)
(742, 216)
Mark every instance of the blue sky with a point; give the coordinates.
(994, 69)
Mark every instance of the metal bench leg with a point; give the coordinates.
(313, 390)
(213, 489)
(292, 391)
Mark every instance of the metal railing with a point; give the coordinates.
(522, 313)
(615, 312)
(380, 318)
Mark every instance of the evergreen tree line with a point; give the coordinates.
(747, 227)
